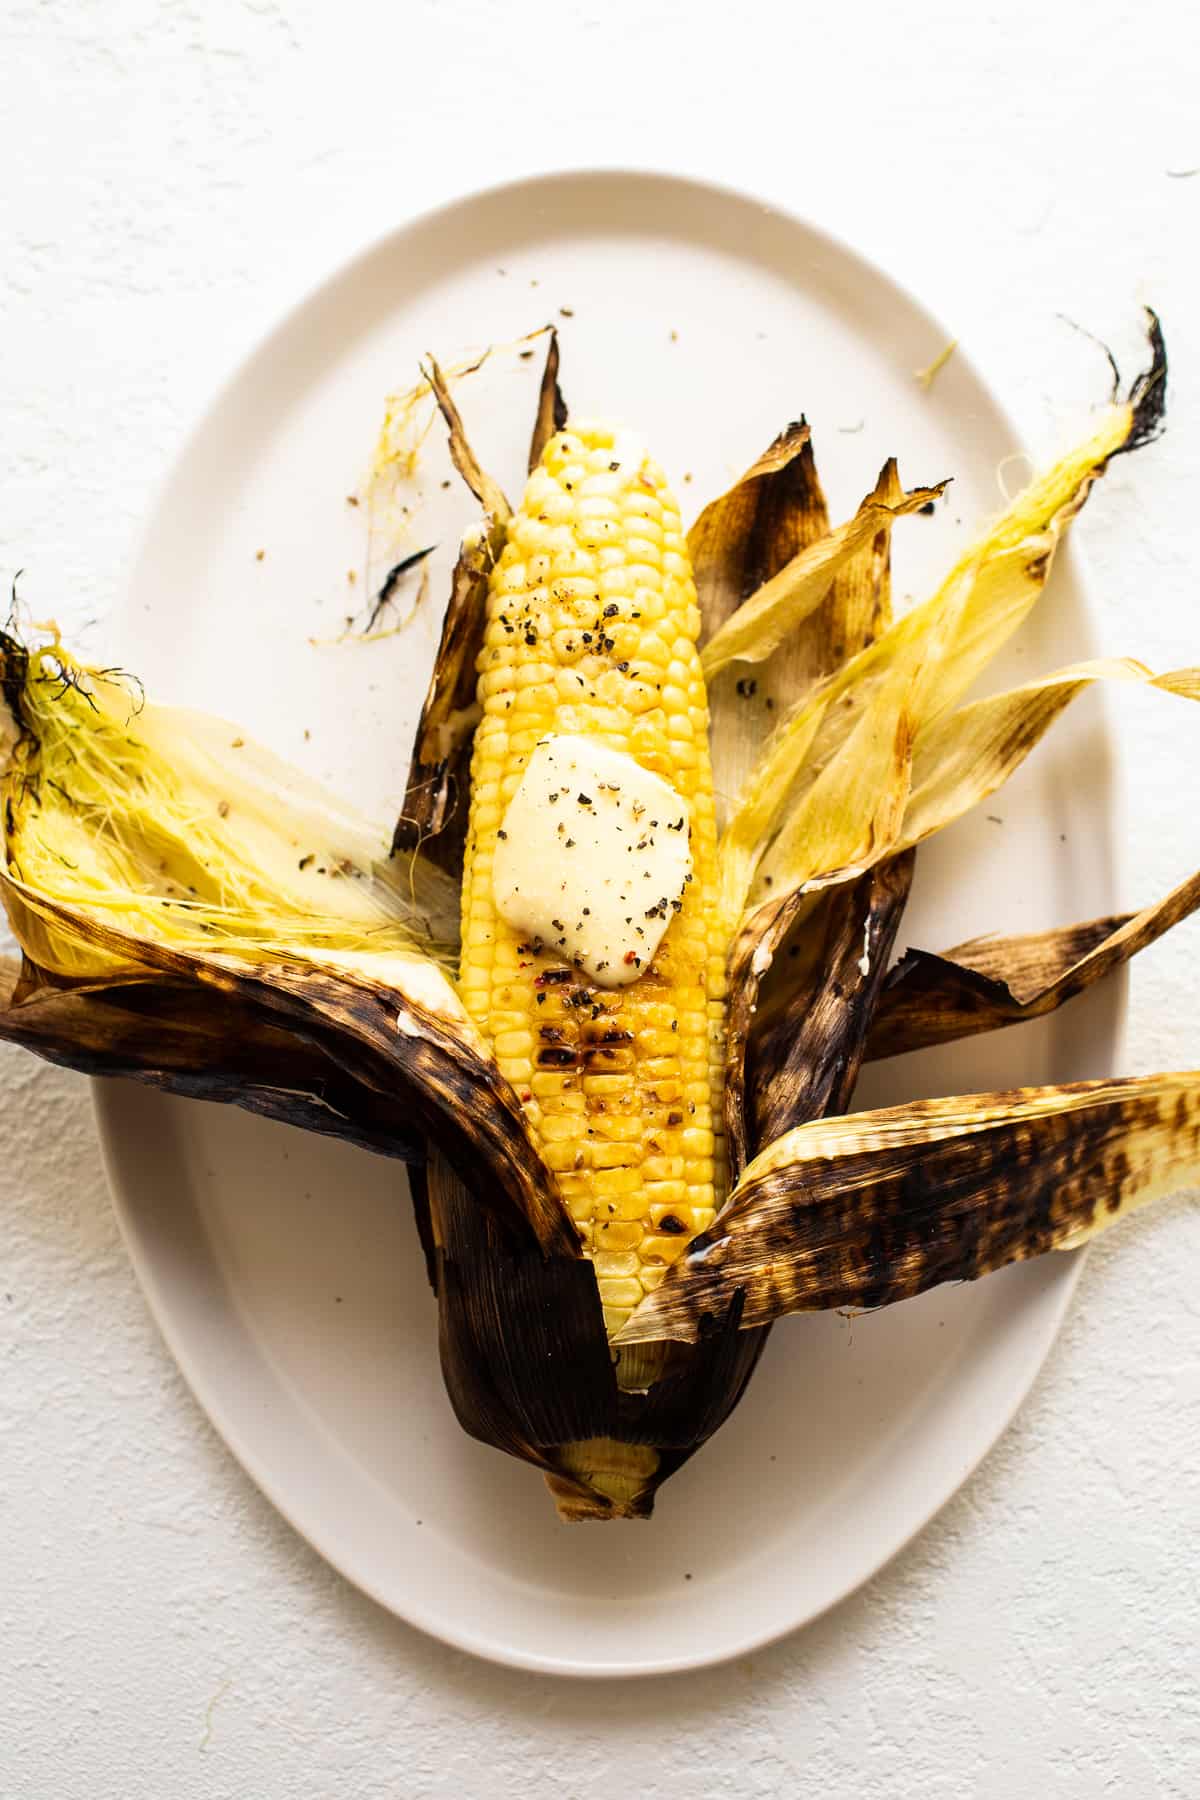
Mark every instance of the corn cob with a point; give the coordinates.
(591, 630)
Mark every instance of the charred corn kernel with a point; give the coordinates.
(591, 631)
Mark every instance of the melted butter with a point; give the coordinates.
(592, 858)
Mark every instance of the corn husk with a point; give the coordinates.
(991, 982)
(432, 828)
(551, 415)
(804, 1053)
(203, 1044)
(928, 783)
(177, 826)
(155, 847)
(741, 540)
(747, 534)
(783, 486)
(816, 747)
(772, 614)
(807, 813)
(879, 1206)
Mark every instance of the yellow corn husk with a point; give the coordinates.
(592, 628)
(177, 827)
(953, 765)
(761, 623)
(803, 773)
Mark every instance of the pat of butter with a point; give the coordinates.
(592, 858)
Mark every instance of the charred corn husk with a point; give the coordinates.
(591, 631)
(876, 1207)
(992, 982)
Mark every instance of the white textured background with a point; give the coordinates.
(172, 173)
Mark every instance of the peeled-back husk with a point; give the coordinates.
(877, 1207)
(837, 819)
(806, 813)
(203, 1044)
(829, 1004)
(392, 1024)
(432, 828)
(741, 540)
(165, 852)
(805, 1052)
(774, 612)
(995, 981)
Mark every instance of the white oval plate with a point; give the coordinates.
(283, 1270)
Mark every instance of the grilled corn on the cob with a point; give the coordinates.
(591, 631)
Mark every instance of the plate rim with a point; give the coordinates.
(105, 1101)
